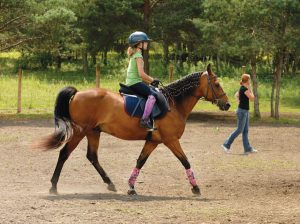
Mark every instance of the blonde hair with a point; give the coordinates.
(245, 78)
(131, 51)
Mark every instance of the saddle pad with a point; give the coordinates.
(134, 106)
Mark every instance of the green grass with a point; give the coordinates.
(40, 87)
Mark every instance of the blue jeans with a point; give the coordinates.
(242, 127)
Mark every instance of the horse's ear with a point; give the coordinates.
(208, 69)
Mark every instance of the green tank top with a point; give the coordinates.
(133, 76)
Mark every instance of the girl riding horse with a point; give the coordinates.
(137, 78)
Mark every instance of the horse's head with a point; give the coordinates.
(212, 91)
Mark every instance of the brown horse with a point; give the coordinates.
(88, 113)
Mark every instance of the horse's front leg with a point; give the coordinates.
(145, 153)
(175, 147)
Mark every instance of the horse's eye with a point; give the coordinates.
(217, 85)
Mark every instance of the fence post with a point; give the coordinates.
(171, 68)
(243, 69)
(98, 76)
(19, 90)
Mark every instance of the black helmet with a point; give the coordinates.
(138, 37)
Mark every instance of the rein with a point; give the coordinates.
(168, 95)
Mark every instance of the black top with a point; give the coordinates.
(244, 100)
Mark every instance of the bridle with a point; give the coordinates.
(215, 97)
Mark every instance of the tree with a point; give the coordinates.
(15, 19)
(250, 38)
(55, 19)
(105, 25)
(284, 17)
(172, 24)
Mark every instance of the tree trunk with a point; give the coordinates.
(85, 62)
(218, 62)
(166, 52)
(286, 62)
(295, 63)
(255, 88)
(281, 50)
(58, 62)
(278, 74)
(272, 95)
(94, 59)
(147, 11)
(180, 55)
(105, 57)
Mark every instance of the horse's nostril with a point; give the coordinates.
(228, 106)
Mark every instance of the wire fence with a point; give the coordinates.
(34, 94)
(30, 94)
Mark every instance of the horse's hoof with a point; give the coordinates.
(53, 190)
(196, 190)
(111, 187)
(131, 192)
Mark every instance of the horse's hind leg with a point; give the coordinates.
(145, 153)
(92, 155)
(175, 147)
(63, 156)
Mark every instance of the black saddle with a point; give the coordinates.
(135, 104)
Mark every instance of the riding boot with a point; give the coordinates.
(145, 121)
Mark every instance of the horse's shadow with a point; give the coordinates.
(125, 198)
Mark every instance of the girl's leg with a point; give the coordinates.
(141, 89)
(148, 107)
(144, 90)
(241, 121)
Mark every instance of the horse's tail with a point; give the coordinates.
(63, 123)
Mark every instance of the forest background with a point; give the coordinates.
(59, 42)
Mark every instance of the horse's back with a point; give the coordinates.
(91, 105)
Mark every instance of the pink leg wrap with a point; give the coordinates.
(190, 174)
(134, 174)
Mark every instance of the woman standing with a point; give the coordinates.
(243, 96)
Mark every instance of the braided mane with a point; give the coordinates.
(182, 88)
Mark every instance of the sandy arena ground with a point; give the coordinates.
(236, 188)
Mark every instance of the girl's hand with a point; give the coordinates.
(155, 83)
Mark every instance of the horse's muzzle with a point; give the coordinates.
(224, 106)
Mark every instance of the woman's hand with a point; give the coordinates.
(237, 97)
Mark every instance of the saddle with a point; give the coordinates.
(135, 104)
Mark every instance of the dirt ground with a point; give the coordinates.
(236, 188)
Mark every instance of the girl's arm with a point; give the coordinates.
(140, 65)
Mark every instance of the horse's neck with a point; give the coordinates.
(187, 105)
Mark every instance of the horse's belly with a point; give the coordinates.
(123, 132)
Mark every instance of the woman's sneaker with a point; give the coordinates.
(252, 150)
(225, 148)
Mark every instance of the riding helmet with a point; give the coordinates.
(138, 37)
